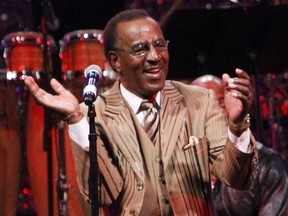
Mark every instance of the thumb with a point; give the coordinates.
(58, 88)
(225, 78)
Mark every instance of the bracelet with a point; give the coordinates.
(241, 126)
(72, 116)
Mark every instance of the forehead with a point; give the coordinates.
(142, 28)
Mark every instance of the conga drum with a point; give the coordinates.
(78, 50)
(43, 164)
(24, 54)
(10, 149)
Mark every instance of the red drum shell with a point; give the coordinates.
(37, 157)
(23, 51)
(79, 49)
(10, 150)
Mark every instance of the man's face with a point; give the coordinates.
(144, 74)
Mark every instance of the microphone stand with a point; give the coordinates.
(93, 172)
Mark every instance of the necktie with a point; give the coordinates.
(151, 118)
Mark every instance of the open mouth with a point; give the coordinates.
(155, 70)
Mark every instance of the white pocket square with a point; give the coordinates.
(192, 141)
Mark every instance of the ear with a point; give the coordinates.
(114, 61)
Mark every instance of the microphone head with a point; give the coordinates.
(93, 68)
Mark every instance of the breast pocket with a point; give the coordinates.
(195, 155)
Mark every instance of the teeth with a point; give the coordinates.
(154, 70)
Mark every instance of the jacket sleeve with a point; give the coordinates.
(235, 168)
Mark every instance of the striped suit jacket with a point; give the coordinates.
(187, 112)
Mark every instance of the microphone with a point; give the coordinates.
(93, 74)
(51, 19)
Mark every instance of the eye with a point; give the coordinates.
(139, 49)
(160, 43)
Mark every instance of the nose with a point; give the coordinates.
(152, 54)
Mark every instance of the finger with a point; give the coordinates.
(31, 84)
(239, 95)
(29, 81)
(241, 83)
(240, 86)
(58, 88)
(246, 99)
(40, 95)
(225, 78)
(241, 73)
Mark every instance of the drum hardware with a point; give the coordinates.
(14, 75)
(273, 97)
(3, 75)
(49, 117)
(3, 113)
(63, 185)
(22, 108)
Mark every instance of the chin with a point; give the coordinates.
(156, 89)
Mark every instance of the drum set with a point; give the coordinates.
(24, 120)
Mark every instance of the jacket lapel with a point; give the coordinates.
(173, 113)
(122, 123)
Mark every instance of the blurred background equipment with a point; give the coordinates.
(60, 38)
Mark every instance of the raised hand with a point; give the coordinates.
(238, 95)
(63, 102)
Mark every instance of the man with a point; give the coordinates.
(167, 173)
(212, 82)
(268, 195)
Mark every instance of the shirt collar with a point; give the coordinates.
(133, 100)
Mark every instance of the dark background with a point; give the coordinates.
(217, 41)
(253, 37)
(206, 37)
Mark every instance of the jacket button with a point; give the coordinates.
(158, 160)
(165, 200)
(162, 179)
(140, 186)
(133, 212)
